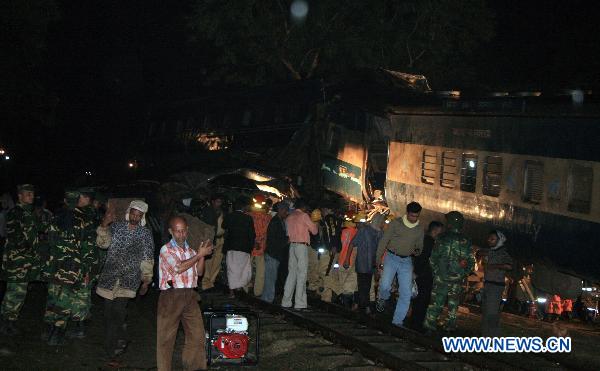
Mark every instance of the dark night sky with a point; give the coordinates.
(543, 44)
(108, 63)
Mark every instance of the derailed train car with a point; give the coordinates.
(526, 163)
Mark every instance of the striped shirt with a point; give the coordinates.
(170, 255)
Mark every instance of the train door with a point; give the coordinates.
(376, 162)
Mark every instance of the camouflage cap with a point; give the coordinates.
(72, 194)
(25, 188)
(455, 219)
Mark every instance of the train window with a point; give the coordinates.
(428, 166)
(468, 172)
(492, 176)
(579, 188)
(534, 182)
(448, 170)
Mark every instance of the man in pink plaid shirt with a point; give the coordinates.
(179, 267)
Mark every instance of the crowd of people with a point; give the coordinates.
(288, 250)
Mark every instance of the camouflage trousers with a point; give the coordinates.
(67, 303)
(439, 293)
(14, 297)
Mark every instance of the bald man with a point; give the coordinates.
(179, 267)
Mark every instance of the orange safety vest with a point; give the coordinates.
(261, 223)
(554, 305)
(347, 236)
(567, 305)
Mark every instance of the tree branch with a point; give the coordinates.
(283, 15)
(411, 61)
(313, 66)
(295, 74)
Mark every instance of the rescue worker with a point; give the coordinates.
(315, 253)
(72, 245)
(424, 276)
(347, 281)
(21, 261)
(331, 229)
(44, 217)
(554, 308)
(365, 243)
(567, 309)
(89, 214)
(498, 263)
(261, 218)
(277, 246)
(129, 262)
(299, 228)
(402, 240)
(451, 262)
(214, 215)
(332, 279)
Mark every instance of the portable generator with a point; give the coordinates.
(232, 336)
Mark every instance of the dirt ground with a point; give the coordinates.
(282, 348)
(585, 339)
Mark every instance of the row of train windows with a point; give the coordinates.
(461, 172)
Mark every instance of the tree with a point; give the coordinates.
(258, 42)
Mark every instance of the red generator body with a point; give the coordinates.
(232, 336)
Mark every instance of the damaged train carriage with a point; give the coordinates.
(527, 166)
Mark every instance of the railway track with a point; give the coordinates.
(285, 345)
(366, 342)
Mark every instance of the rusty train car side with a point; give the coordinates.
(532, 172)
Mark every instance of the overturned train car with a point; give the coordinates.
(528, 165)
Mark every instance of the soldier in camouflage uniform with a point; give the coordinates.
(44, 217)
(89, 216)
(72, 244)
(20, 261)
(451, 262)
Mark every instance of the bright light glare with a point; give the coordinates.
(471, 163)
(131, 164)
(2, 152)
(321, 250)
(7, 157)
(541, 300)
(299, 9)
(336, 265)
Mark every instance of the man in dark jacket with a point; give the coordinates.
(239, 242)
(365, 242)
(276, 252)
(422, 270)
